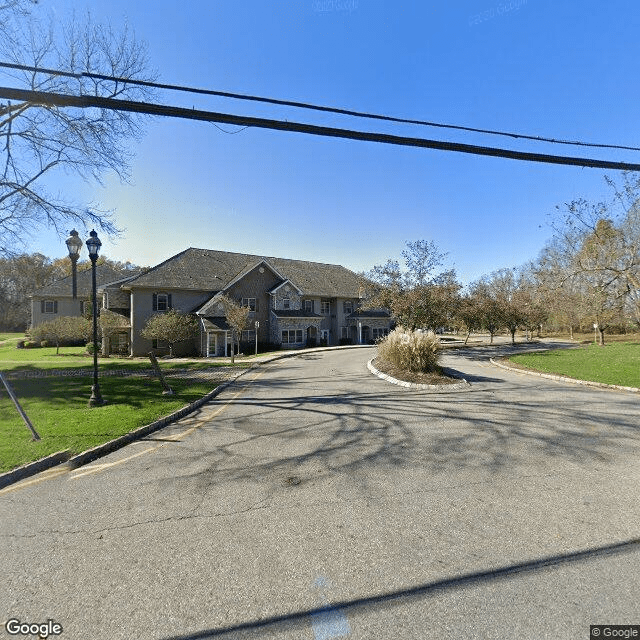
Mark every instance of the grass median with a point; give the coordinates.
(616, 363)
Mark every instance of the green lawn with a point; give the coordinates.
(58, 409)
(13, 359)
(615, 363)
(57, 406)
(11, 336)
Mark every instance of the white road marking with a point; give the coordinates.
(330, 622)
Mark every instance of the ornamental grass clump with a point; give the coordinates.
(415, 351)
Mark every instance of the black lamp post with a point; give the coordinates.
(94, 244)
(74, 244)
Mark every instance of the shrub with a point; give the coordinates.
(20, 344)
(61, 331)
(44, 343)
(90, 348)
(416, 351)
(345, 341)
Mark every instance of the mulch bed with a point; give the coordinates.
(433, 377)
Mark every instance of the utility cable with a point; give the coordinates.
(62, 100)
(305, 105)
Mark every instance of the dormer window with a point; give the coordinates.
(286, 303)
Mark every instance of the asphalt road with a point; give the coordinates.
(312, 500)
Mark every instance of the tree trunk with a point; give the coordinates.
(467, 338)
(491, 334)
(571, 332)
(513, 336)
(601, 332)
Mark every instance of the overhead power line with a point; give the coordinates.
(62, 100)
(313, 107)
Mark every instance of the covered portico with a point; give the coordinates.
(215, 336)
(367, 326)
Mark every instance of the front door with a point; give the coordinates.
(324, 336)
(212, 344)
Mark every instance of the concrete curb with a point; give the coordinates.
(15, 475)
(32, 468)
(551, 376)
(415, 385)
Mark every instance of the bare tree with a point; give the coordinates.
(172, 326)
(39, 140)
(238, 318)
(418, 295)
(598, 246)
(470, 313)
(60, 330)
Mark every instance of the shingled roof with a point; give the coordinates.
(209, 270)
(64, 287)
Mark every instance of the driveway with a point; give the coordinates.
(314, 500)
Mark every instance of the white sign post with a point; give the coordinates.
(257, 327)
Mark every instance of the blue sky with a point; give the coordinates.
(563, 70)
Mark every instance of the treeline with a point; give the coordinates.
(21, 275)
(587, 274)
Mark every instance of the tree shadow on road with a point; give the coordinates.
(274, 436)
(299, 620)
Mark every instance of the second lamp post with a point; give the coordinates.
(94, 244)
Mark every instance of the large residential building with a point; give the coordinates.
(294, 303)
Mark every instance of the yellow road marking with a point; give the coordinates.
(44, 475)
(100, 467)
(63, 469)
(174, 437)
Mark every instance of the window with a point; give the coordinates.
(286, 303)
(308, 306)
(161, 301)
(49, 306)
(293, 336)
(347, 307)
(325, 307)
(378, 334)
(248, 336)
(346, 332)
(249, 302)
